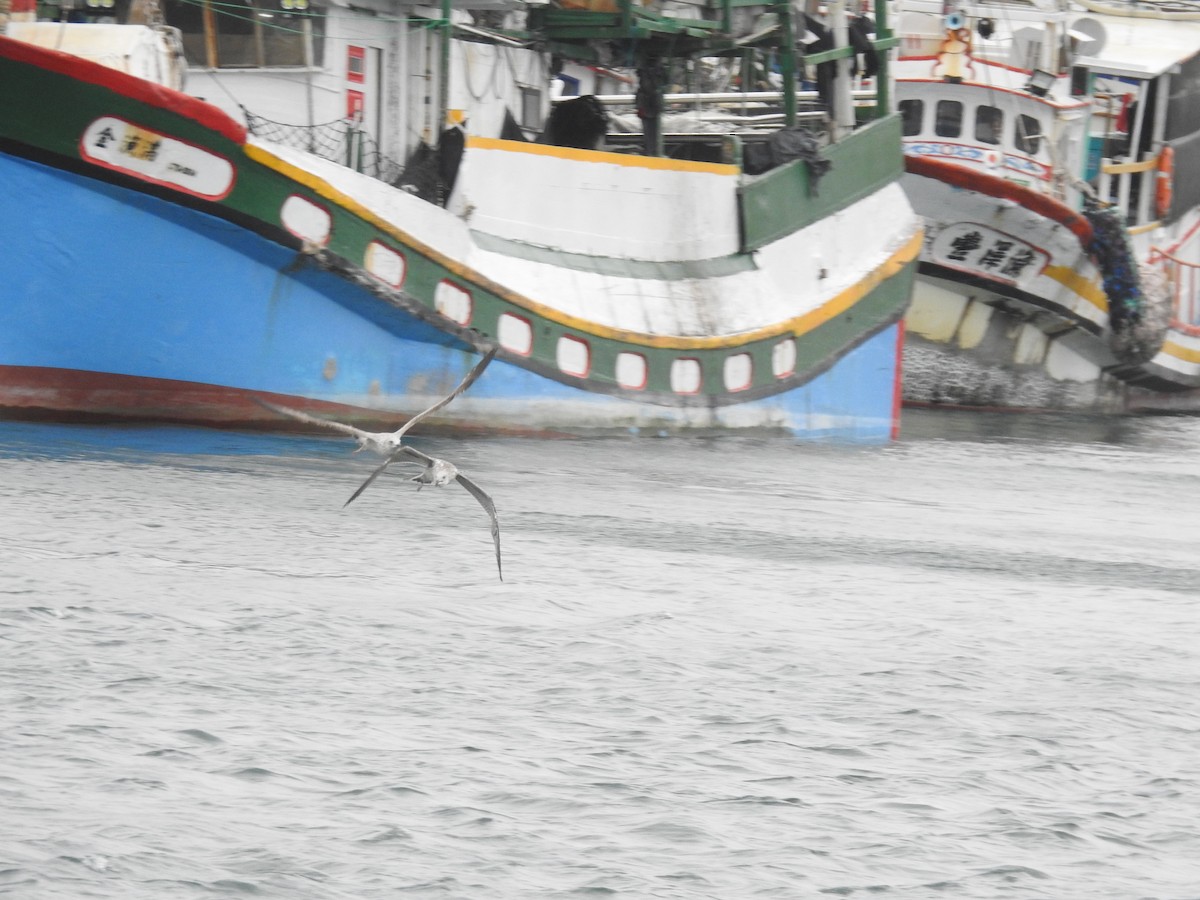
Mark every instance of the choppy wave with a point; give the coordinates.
(961, 666)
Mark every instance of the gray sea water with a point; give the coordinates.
(965, 665)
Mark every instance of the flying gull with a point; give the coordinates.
(437, 472)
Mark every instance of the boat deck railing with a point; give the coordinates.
(726, 98)
(1183, 279)
(724, 123)
(1131, 186)
(343, 141)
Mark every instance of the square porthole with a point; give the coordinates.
(385, 264)
(631, 371)
(739, 372)
(783, 358)
(306, 220)
(686, 377)
(453, 302)
(515, 334)
(574, 356)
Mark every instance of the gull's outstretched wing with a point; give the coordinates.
(405, 450)
(486, 502)
(312, 420)
(462, 386)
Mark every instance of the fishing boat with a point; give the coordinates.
(1053, 150)
(343, 204)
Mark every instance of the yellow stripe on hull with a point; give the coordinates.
(602, 156)
(797, 326)
(1089, 289)
(1187, 354)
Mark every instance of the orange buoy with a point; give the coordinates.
(1164, 183)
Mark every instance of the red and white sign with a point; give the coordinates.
(356, 64)
(157, 158)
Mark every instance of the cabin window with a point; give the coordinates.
(949, 119)
(989, 124)
(247, 33)
(911, 113)
(1027, 137)
(92, 12)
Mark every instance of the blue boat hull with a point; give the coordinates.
(120, 305)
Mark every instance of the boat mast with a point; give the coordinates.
(210, 34)
(884, 41)
(843, 95)
(443, 107)
(787, 60)
(649, 99)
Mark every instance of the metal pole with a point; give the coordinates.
(883, 89)
(649, 100)
(843, 103)
(307, 36)
(210, 35)
(787, 61)
(444, 71)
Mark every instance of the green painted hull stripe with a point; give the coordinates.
(260, 190)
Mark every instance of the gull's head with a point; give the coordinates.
(383, 444)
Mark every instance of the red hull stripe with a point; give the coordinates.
(68, 392)
(971, 180)
(43, 393)
(130, 86)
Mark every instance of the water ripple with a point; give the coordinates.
(954, 667)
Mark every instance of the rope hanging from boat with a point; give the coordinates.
(1113, 254)
(1136, 335)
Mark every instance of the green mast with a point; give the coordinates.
(444, 71)
(884, 41)
(787, 60)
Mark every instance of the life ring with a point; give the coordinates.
(1164, 181)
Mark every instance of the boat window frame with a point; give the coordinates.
(908, 120)
(990, 133)
(943, 120)
(1025, 141)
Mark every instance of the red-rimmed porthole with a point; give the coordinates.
(453, 302)
(738, 372)
(783, 358)
(631, 371)
(386, 264)
(574, 356)
(686, 376)
(515, 334)
(306, 220)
